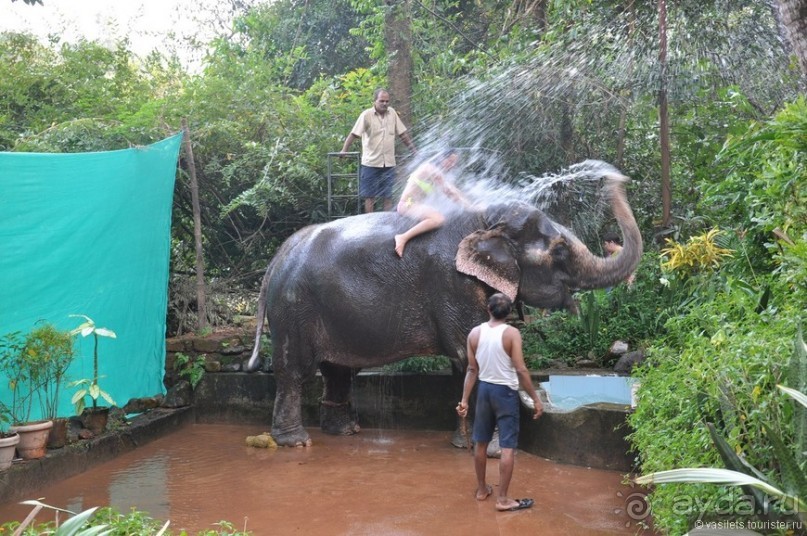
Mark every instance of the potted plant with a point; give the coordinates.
(53, 348)
(25, 369)
(94, 418)
(8, 440)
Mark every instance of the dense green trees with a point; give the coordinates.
(720, 357)
(80, 97)
(576, 80)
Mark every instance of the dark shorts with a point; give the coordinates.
(376, 181)
(496, 405)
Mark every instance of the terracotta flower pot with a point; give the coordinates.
(95, 419)
(33, 439)
(58, 434)
(8, 444)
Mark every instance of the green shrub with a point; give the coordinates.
(720, 363)
(190, 368)
(419, 364)
(634, 314)
(780, 500)
(722, 354)
(111, 522)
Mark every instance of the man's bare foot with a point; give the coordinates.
(511, 505)
(481, 495)
(400, 244)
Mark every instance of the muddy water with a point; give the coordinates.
(378, 482)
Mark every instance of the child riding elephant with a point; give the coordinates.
(425, 186)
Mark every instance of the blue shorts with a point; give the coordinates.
(376, 181)
(496, 405)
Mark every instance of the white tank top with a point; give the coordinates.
(495, 366)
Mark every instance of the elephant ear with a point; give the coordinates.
(490, 257)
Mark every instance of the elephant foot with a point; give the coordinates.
(494, 450)
(337, 419)
(298, 438)
(348, 429)
(459, 440)
(463, 441)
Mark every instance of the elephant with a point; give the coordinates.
(337, 297)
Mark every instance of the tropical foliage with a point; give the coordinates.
(35, 365)
(785, 508)
(719, 361)
(51, 350)
(90, 387)
(105, 521)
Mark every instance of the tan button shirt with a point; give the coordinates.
(378, 135)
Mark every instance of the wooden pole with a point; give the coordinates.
(197, 229)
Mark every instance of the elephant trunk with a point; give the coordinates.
(590, 271)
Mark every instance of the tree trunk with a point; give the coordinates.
(197, 231)
(623, 114)
(567, 134)
(664, 119)
(398, 42)
(539, 15)
(792, 16)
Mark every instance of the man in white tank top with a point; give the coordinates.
(495, 357)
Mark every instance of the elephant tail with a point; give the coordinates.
(254, 360)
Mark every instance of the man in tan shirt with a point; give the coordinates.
(377, 127)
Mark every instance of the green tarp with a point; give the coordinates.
(89, 234)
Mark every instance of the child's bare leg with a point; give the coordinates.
(431, 222)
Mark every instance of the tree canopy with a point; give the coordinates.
(537, 85)
(540, 85)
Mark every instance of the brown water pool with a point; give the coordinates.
(378, 482)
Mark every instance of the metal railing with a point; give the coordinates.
(343, 184)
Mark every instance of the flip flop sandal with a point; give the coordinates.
(523, 504)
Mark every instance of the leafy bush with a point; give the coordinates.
(53, 349)
(781, 500)
(764, 195)
(190, 368)
(419, 364)
(27, 366)
(720, 364)
(634, 314)
(720, 360)
(110, 522)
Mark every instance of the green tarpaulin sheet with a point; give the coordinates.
(89, 234)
